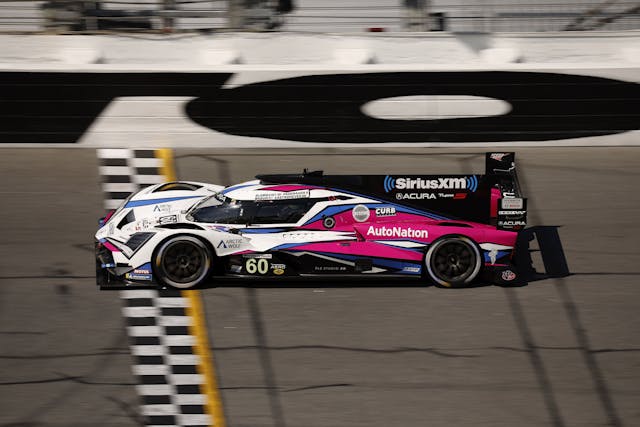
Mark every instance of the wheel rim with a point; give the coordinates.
(183, 263)
(454, 261)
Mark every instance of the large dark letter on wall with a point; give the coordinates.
(328, 108)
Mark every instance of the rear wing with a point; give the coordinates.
(462, 197)
(511, 212)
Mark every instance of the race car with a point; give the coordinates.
(449, 230)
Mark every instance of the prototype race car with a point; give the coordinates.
(447, 229)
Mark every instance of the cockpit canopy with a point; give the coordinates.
(220, 209)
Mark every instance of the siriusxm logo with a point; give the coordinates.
(462, 183)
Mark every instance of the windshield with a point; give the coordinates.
(229, 211)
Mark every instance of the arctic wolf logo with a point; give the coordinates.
(462, 183)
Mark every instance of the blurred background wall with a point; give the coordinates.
(299, 72)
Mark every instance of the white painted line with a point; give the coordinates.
(154, 389)
(138, 293)
(190, 399)
(179, 340)
(145, 162)
(115, 153)
(158, 409)
(187, 379)
(144, 331)
(182, 359)
(172, 302)
(194, 419)
(147, 350)
(148, 179)
(175, 321)
(150, 369)
(140, 311)
(115, 170)
(119, 186)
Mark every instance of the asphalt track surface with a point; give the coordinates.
(559, 352)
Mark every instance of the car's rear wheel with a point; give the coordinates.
(182, 262)
(453, 261)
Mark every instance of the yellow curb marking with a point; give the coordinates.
(198, 328)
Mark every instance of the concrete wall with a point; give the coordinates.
(278, 90)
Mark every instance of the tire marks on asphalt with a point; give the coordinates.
(580, 333)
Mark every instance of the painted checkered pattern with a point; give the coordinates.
(170, 386)
(169, 382)
(125, 171)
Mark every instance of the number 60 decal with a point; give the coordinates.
(257, 265)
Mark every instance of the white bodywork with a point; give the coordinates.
(153, 208)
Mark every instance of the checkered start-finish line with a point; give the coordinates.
(169, 383)
(168, 342)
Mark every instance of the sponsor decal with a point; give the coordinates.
(235, 268)
(112, 229)
(278, 195)
(511, 223)
(449, 183)
(107, 265)
(261, 266)
(329, 222)
(508, 275)
(512, 203)
(360, 213)
(171, 219)
(141, 271)
(265, 256)
(330, 268)
(135, 276)
(143, 225)
(415, 196)
(230, 244)
(278, 269)
(163, 207)
(386, 211)
(512, 212)
(408, 232)
(498, 156)
(412, 269)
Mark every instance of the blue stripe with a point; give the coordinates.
(286, 246)
(138, 203)
(330, 211)
(236, 187)
(499, 255)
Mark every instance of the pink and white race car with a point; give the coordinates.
(451, 230)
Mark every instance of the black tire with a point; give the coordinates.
(182, 262)
(453, 261)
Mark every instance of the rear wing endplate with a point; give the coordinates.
(512, 206)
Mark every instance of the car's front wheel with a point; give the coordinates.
(182, 262)
(453, 261)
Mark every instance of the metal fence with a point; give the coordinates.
(70, 16)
